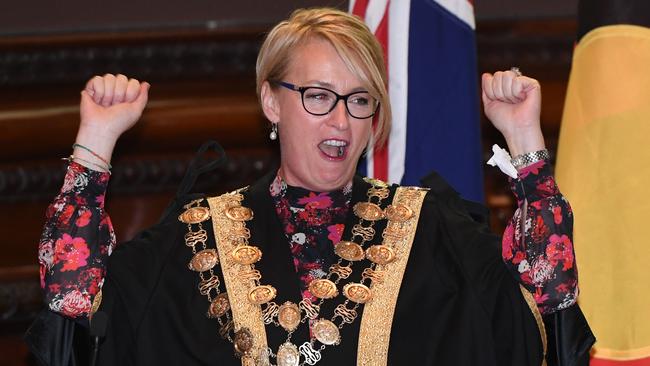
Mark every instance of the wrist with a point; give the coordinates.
(100, 143)
(525, 140)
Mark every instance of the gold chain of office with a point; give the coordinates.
(290, 315)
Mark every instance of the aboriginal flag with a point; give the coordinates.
(603, 167)
(430, 49)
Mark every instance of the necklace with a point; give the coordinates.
(290, 315)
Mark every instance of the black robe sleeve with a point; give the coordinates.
(478, 251)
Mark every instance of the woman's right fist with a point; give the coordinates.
(111, 104)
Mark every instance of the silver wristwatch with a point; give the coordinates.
(528, 158)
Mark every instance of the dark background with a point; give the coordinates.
(199, 56)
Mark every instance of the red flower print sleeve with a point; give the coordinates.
(77, 239)
(538, 241)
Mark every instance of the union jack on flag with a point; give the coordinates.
(430, 50)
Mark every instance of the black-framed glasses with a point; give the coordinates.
(320, 101)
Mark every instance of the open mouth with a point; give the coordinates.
(334, 149)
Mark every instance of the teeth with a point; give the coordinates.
(334, 143)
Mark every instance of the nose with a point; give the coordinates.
(339, 117)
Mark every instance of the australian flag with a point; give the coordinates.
(430, 50)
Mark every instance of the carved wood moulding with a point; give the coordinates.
(198, 54)
(144, 55)
(138, 175)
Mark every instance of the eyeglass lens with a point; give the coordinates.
(321, 101)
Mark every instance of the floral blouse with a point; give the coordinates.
(78, 237)
(313, 224)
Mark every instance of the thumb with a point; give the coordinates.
(143, 96)
(485, 98)
(87, 102)
(86, 97)
(522, 86)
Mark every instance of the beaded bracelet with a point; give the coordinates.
(101, 168)
(93, 154)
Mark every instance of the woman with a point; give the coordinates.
(311, 264)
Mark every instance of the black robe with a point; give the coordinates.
(458, 304)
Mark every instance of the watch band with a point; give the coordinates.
(528, 158)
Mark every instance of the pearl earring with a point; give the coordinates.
(274, 131)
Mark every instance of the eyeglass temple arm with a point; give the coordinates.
(287, 85)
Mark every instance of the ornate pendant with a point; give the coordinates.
(194, 215)
(326, 332)
(289, 316)
(357, 292)
(380, 254)
(288, 355)
(311, 355)
(349, 251)
(239, 213)
(204, 260)
(246, 254)
(323, 288)
(259, 295)
(219, 306)
(398, 213)
(243, 341)
(368, 211)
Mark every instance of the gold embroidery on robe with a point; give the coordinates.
(377, 318)
(245, 314)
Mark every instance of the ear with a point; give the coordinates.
(270, 103)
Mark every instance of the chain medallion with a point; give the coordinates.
(219, 306)
(289, 316)
(357, 292)
(326, 332)
(259, 295)
(204, 260)
(349, 251)
(398, 213)
(246, 254)
(239, 213)
(368, 211)
(380, 254)
(194, 215)
(323, 288)
(288, 355)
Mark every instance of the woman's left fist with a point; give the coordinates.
(512, 103)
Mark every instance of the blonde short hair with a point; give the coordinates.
(355, 44)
